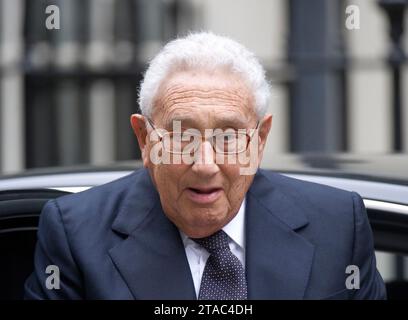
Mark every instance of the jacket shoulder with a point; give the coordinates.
(99, 203)
(302, 188)
(319, 202)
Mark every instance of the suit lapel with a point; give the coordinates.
(278, 259)
(152, 261)
(152, 258)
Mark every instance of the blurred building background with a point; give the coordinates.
(66, 95)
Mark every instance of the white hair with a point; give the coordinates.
(205, 50)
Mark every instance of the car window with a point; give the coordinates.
(394, 270)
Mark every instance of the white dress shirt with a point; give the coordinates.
(197, 256)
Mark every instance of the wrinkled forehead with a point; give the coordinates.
(217, 97)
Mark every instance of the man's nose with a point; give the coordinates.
(204, 160)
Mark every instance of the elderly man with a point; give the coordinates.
(200, 221)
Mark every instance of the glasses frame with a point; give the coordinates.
(161, 136)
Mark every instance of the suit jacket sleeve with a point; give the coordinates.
(371, 284)
(53, 249)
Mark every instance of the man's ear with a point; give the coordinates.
(139, 128)
(263, 131)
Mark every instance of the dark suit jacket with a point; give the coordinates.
(114, 242)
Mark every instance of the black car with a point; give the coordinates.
(382, 181)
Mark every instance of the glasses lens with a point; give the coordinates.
(180, 142)
(188, 142)
(230, 142)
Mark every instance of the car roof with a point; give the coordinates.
(382, 168)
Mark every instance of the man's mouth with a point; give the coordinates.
(204, 195)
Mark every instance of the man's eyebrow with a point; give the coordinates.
(183, 119)
(238, 123)
(234, 122)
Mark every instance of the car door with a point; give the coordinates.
(389, 222)
(20, 211)
(19, 214)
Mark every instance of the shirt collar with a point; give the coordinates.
(235, 229)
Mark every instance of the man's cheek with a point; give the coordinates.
(231, 173)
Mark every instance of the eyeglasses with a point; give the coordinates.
(229, 141)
